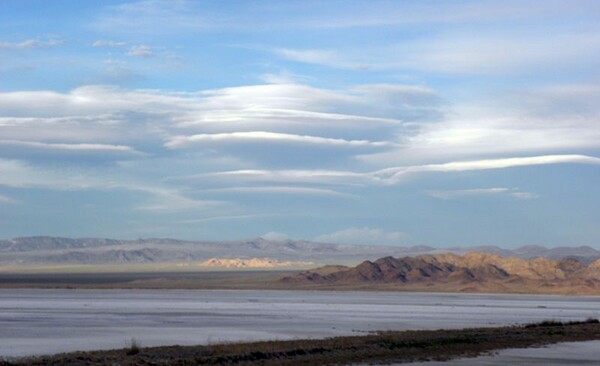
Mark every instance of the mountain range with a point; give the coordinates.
(46, 250)
(472, 272)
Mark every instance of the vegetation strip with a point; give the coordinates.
(380, 347)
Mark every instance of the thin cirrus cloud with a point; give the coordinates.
(485, 53)
(158, 199)
(77, 148)
(31, 43)
(321, 177)
(141, 17)
(184, 16)
(7, 200)
(375, 14)
(280, 190)
(323, 57)
(398, 174)
(362, 235)
(462, 193)
(141, 51)
(264, 116)
(395, 175)
(101, 43)
(264, 136)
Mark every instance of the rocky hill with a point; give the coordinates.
(475, 272)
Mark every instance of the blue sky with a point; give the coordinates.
(385, 122)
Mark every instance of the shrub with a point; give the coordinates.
(556, 323)
(134, 347)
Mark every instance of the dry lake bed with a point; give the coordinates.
(35, 322)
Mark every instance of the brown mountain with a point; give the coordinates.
(473, 272)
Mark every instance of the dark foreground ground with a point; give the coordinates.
(382, 347)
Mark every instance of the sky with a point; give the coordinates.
(445, 123)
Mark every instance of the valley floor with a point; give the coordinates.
(262, 280)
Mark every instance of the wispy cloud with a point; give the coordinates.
(18, 174)
(485, 53)
(460, 193)
(384, 13)
(101, 43)
(287, 176)
(281, 190)
(77, 148)
(164, 200)
(7, 200)
(364, 235)
(214, 218)
(141, 51)
(31, 43)
(321, 57)
(264, 136)
(141, 17)
(111, 120)
(398, 174)
(395, 175)
(184, 16)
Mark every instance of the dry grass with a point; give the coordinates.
(134, 348)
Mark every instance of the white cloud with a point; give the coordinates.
(93, 100)
(294, 109)
(363, 235)
(109, 120)
(394, 175)
(31, 43)
(264, 136)
(460, 193)
(140, 51)
(76, 148)
(298, 116)
(397, 174)
(287, 176)
(557, 119)
(291, 112)
(241, 116)
(101, 43)
(501, 53)
(550, 119)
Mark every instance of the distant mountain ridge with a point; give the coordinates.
(101, 251)
(473, 272)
